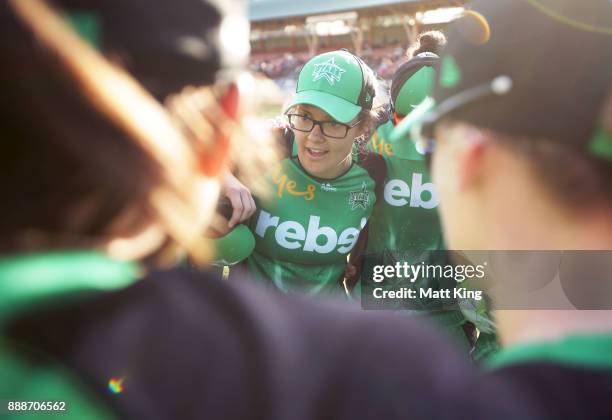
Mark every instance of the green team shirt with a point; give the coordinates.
(407, 216)
(308, 226)
(405, 225)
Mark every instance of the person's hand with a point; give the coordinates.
(243, 205)
(278, 125)
(350, 271)
(351, 276)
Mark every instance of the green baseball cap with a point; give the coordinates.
(412, 82)
(338, 83)
(415, 90)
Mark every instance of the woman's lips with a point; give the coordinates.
(315, 154)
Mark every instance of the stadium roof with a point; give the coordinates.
(270, 10)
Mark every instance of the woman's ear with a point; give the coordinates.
(471, 157)
(459, 155)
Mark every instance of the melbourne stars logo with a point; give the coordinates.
(328, 70)
(360, 198)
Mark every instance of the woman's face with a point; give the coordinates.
(319, 155)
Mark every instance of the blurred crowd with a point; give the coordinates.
(383, 60)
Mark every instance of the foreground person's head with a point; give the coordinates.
(331, 111)
(523, 129)
(89, 158)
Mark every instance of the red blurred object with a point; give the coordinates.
(397, 118)
(212, 163)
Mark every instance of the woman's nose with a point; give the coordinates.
(316, 133)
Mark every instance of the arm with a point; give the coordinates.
(352, 272)
(377, 169)
(243, 204)
(239, 195)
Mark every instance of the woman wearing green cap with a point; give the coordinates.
(405, 226)
(407, 217)
(324, 190)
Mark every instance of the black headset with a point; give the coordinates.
(407, 70)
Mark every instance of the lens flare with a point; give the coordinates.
(115, 385)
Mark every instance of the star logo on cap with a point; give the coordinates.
(328, 70)
(360, 198)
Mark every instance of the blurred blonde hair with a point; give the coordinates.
(177, 196)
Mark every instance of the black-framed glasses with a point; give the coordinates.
(426, 116)
(332, 129)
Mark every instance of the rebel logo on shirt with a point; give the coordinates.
(398, 193)
(312, 238)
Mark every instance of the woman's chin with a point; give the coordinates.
(316, 169)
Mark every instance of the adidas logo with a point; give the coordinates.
(326, 186)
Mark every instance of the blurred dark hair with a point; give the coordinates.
(431, 41)
(575, 177)
(68, 170)
(578, 181)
